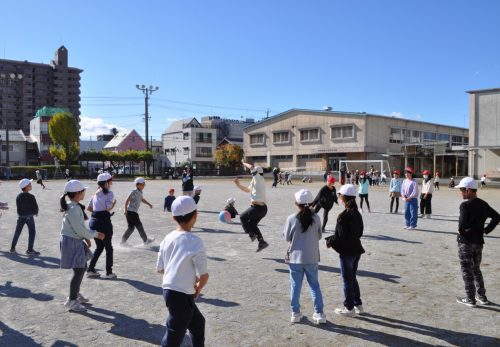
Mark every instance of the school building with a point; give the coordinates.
(316, 140)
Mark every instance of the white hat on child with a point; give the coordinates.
(258, 169)
(24, 183)
(348, 190)
(74, 186)
(139, 180)
(183, 205)
(196, 188)
(303, 196)
(230, 200)
(104, 177)
(467, 183)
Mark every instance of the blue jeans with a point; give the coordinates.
(348, 268)
(411, 213)
(297, 272)
(30, 221)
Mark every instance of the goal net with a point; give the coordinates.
(381, 166)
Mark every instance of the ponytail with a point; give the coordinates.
(305, 216)
(63, 203)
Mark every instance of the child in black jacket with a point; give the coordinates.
(27, 208)
(325, 199)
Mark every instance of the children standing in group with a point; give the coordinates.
(101, 205)
(409, 192)
(182, 260)
(169, 199)
(436, 181)
(395, 190)
(303, 232)
(131, 212)
(346, 241)
(363, 190)
(39, 178)
(27, 209)
(72, 246)
(426, 195)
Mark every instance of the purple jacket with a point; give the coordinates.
(409, 189)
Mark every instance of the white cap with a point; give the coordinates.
(196, 188)
(37, 171)
(24, 183)
(104, 177)
(183, 205)
(303, 196)
(258, 169)
(348, 190)
(139, 180)
(467, 183)
(74, 186)
(230, 200)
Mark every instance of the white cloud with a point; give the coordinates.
(96, 126)
(418, 116)
(397, 115)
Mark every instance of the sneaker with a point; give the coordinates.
(345, 312)
(466, 302)
(422, 215)
(296, 317)
(359, 309)
(93, 274)
(110, 276)
(406, 227)
(482, 300)
(148, 241)
(12, 250)
(74, 305)
(81, 299)
(262, 244)
(32, 253)
(319, 318)
(412, 228)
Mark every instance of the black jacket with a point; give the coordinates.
(187, 182)
(348, 231)
(473, 215)
(326, 198)
(26, 204)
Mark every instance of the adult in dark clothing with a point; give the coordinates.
(325, 199)
(343, 170)
(276, 173)
(473, 214)
(187, 182)
(346, 241)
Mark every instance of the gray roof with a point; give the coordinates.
(87, 145)
(14, 135)
(178, 125)
(483, 90)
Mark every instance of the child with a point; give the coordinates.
(183, 262)
(3, 206)
(426, 195)
(347, 243)
(483, 181)
(73, 233)
(327, 196)
(169, 199)
(303, 232)
(395, 190)
(409, 192)
(27, 208)
(452, 183)
(197, 192)
(230, 207)
(39, 178)
(436, 181)
(131, 208)
(101, 205)
(363, 190)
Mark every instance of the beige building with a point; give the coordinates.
(313, 140)
(484, 133)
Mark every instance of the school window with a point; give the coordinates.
(443, 138)
(416, 137)
(281, 137)
(342, 132)
(203, 152)
(396, 135)
(307, 135)
(456, 141)
(257, 139)
(429, 137)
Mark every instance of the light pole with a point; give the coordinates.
(146, 91)
(8, 80)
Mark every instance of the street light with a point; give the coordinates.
(8, 80)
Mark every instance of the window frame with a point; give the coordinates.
(257, 143)
(301, 130)
(342, 131)
(287, 132)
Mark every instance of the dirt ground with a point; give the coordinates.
(408, 279)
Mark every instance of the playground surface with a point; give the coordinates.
(408, 279)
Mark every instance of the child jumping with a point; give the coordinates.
(182, 260)
(72, 246)
(27, 209)
(169, 199)
(132, 205)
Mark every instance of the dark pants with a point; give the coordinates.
(326, 211)
(363, 197)
(30, 221)
(76, 281)
(470, 261)
(348, 268)
(250, 219)
(100, 246)
(425, 204)
(183, 314)
(436, 185)
(133, 222)
(392, 204)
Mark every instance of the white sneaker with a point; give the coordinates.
(81, 299)
(93, 274)
(296, 317)
(74, 305)
(406, 227)
(110, 276)
(345, 312)
(359, 309)
(319, 318)
(412, 228)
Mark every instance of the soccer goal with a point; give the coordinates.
(382, 166)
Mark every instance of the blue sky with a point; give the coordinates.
(412, 59)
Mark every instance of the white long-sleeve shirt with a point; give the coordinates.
(427, 187)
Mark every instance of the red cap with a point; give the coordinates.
(330, 179)
(362, 173)
(426, 172)
(171, 190)
(410, 170)
(396, 172)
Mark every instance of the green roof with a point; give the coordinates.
(49, 111)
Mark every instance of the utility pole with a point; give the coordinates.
(146, 91)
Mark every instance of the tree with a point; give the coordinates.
(63, 130)
(228, 155)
